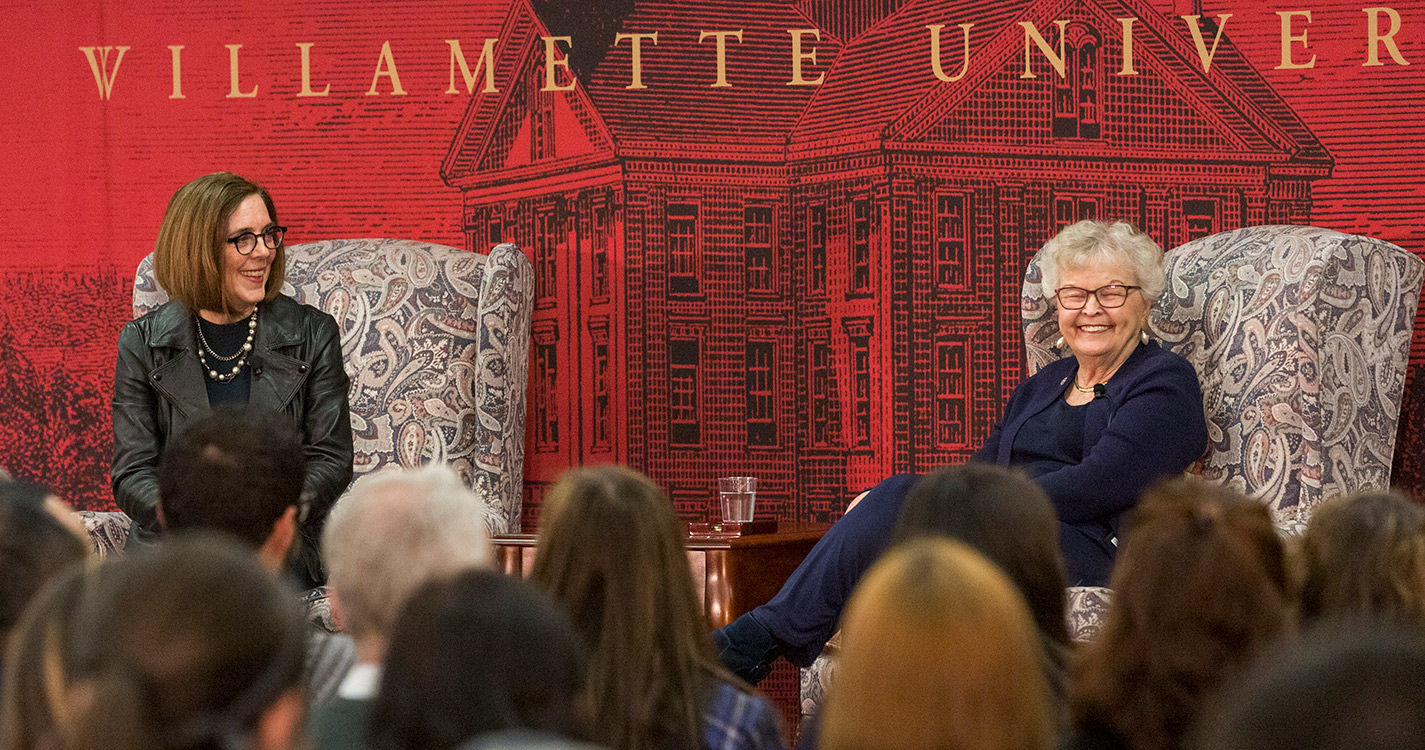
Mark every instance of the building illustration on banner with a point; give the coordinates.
(819, 285)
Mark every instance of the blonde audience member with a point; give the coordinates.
(1201, 587)
(1365, 560)
(610, 549)
(36, 706)
(938, 651)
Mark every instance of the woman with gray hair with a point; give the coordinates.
(1093, 430)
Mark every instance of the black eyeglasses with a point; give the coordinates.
(247, 241)
(1113, 295)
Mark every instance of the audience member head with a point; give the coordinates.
(477, 653)
(1365, 560)
(237, 470)
(189, 644)
(1200, 587)
(38, 539)
(1356, 688)
(37, 703)
(610, 549)
(394, 531)
(190, 255)
(938, 650)
(1005, 517)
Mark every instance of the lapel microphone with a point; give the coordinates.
(1100, 391)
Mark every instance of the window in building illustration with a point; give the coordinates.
(861, 245)
(495, 228)
(953, 264)
(820, 392)
(951, 393)
(1077, 104)
(546, 407)
(684, 254)
(757, 242)
(761, 414)
(603, 414)
(541, 142)
(545, 259)
(603, 239)
(816, 248)
(1199, 217)
(1069, 209)
(861, 391)
(683, 407)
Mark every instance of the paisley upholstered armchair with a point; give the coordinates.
(436, 342)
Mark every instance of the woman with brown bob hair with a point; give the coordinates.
(228, 336)
(1365, 560)
(1201, 588)
(611, 550)
(938, 651)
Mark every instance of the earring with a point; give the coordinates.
(1143, 335)
(1059, 344)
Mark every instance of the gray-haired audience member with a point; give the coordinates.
(1339, 688)
(240, 470)
(394, 532)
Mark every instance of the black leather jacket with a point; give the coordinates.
(296, 368)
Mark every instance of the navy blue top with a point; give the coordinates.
(1050, 440)
(226, 339)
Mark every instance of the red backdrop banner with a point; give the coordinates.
(772, 238)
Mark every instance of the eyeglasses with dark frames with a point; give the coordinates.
(247, 241)
(1110, 296)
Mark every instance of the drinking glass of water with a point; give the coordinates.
(738, 495)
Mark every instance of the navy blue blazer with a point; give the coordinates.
(1148, 424)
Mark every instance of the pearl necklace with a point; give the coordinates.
(240, 355)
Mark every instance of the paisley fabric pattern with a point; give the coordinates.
(1087, 607)
(1300, 337)
(436, 342)
(108, 531)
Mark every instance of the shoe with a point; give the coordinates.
(748, 649)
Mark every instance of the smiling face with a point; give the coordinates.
(1102, 337)
(245, 276)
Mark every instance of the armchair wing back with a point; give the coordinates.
(1300, 337)
(436, 342)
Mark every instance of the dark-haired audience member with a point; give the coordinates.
(187, 644)
(39, 536)
(611, 550)
(1365, 560)
(395, 531)
(938, 651)
(1006, 517)
(1338, 688)
(36, 702)
(479, 653)
(1201, 587)
(239, 470)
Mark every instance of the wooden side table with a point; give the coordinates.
(732, 574)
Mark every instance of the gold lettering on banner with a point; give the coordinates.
(386, 66)
(721, 37)
(1031, 33)
(935, 66)
(637, 80)
(306, 48)
(554, 64)
(1287, 63)
(99, 66)
(234, 91)
(1204, 55)
(486, 63)
(177, 50)
(798, 57)
(1127, 68)
(1376, 38)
